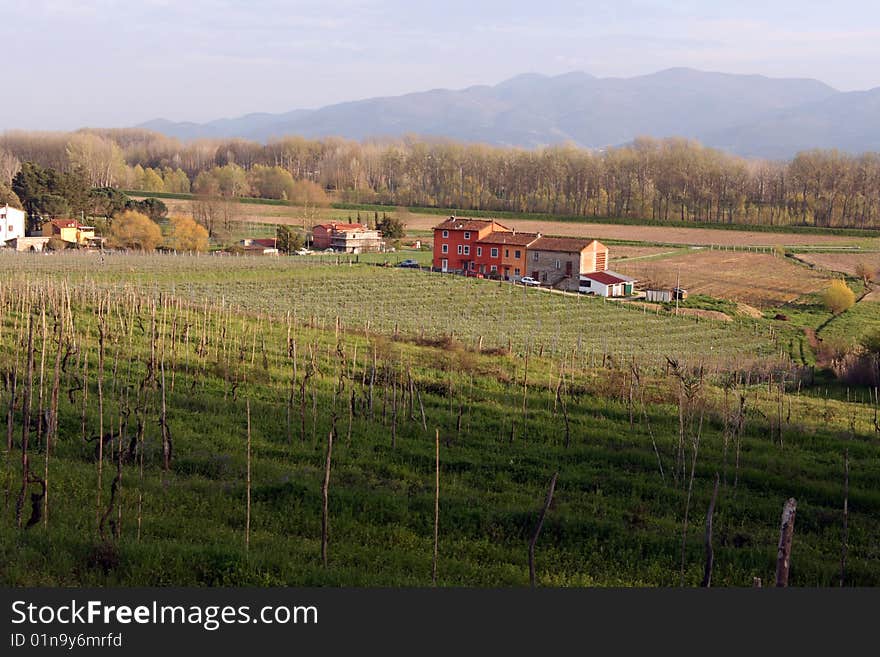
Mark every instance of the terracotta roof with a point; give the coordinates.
(562, 244)
(514, 239)
(465, 223)
(337, 226)
(603, 277)
(269, 242)
(65, 223)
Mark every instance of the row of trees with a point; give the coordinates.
(47, 193)
(664, 180)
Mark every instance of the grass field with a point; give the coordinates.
(211, 335)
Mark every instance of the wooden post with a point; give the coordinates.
(325, 507)
(538, 526)
(436, 504)
(710, 554)
(845, 543)
(783, 558)
(247, 526)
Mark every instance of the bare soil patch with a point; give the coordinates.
(845, 263)
(620, 252)
(756, 279)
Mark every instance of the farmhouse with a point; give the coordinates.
(503, 254)
(11, 223)
(560, 261)
(347, 238)
(70, 230)
(260, 246)
(456, 241)
(486, 248)
(606, 284)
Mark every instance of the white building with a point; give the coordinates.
(11, 223)
(606, 284)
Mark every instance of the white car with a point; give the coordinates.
(528, 280)
(302, 252)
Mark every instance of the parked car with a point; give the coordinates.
(302, 252)
(528, 280)
(412, 264)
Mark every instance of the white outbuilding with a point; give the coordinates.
(606, 284)
(11, 223)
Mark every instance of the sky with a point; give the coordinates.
(111, 63)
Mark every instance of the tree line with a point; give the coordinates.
(659, 179)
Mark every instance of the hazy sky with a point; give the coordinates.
(74, 63)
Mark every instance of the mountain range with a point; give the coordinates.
(750, 115)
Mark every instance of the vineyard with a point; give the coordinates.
(214, 420)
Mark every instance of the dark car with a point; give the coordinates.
(409, 263)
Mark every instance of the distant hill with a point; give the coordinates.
(846, 121)
(747, 114)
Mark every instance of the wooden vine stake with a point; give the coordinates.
(436, 504)
(325, 489)
(538, 526)
(247, 524)
(783, 558)
(710, 554)
(845, 542)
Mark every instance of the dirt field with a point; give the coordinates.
(620, 252)
(843, 262)
(697, 236)
(756, 279)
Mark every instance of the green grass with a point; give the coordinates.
(223, 338)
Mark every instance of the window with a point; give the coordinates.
(493, 268)
(445, 234)
(587, 282)
(459, 249)
(467, 234)
(506, 253)
(467, 249)
(516, 272)
(535, 258)
(471, 265)
(494, 252)
(444, 248)
(558, 265)
(516, 254)
(479, 251)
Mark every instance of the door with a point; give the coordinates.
(444, 265)
(568, 268)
